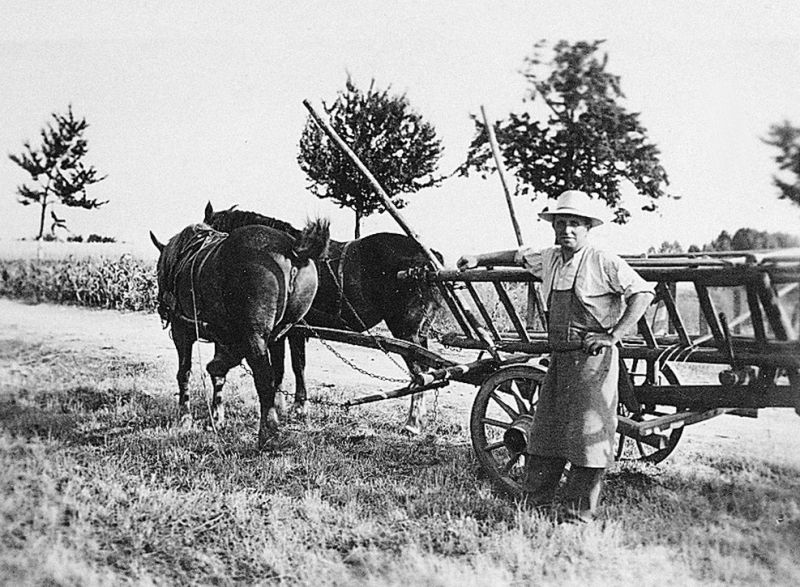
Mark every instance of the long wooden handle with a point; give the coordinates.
(453, 300)
(501, 171)
(387, 202)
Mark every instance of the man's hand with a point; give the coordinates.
(467, 262)
(594, 342)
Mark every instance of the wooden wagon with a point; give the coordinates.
(721, 337)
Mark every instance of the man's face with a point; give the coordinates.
(572, 232)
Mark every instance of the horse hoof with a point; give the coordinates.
(267, 441)
(412, 429)
(300, 410)
(280, 402)
(218, 418)
(186, 422)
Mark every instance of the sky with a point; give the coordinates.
(191, 102)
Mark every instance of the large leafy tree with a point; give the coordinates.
(57, 169)
(574, 133)
(786, 138)
(400, 149)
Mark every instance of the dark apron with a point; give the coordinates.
(576, 416)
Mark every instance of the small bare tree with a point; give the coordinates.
(58, 173)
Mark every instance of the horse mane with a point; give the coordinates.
(227, 220)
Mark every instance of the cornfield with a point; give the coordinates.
(125, 283)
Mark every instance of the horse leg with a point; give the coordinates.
(416, 412)
(218, 368)
(297, 347)
(277, 354)
(263, 377)
(406, 330)
(183, 343)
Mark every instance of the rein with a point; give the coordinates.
(338, 277)
(192, 250)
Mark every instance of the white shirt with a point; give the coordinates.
(604, 280)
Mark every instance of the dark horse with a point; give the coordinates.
(358, 288)
(243, 291)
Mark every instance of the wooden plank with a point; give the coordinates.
(397, 393)
(772, 308)
(756, 316)
(454, 304)
(511, 311)
(786, 355)
(536, 316)
(487, 319)
(710, 314)
(647, 333)
(664, 294)
(724, 276)
(718, 396)
(627, 395)
(631, 429)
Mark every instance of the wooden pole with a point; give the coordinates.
(451, 295)
(501, 171)
(387, 202)
(535, 302)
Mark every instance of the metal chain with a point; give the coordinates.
(435, 418)
(350, 363)
(365, 329)
(285, 393)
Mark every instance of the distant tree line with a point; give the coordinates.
(744, 239)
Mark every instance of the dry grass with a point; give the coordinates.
(99, 487)
(125, 283)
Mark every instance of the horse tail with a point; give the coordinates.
(313, 241)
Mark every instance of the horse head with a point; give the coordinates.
(210, 214)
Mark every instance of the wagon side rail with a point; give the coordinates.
(761, 369)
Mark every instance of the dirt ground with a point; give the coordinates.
(773, 436)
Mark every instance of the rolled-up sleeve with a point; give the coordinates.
(624, 278)
(531, 259)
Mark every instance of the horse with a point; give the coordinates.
(358, 288)
(243, 290)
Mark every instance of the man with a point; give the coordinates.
(575, 418)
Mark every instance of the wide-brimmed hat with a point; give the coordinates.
(576, 203)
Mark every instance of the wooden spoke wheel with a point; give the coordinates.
(508, 397)
(630, 449)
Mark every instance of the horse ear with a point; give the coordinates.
(209, 212)
(156, 242)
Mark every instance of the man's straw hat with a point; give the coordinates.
(576, 203)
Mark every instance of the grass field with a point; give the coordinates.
(99, 487)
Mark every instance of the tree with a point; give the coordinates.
(394, 142)
(721, 243)
(56, 167)
(787, 139)
(575, 133)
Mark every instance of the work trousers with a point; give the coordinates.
(581, 492)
